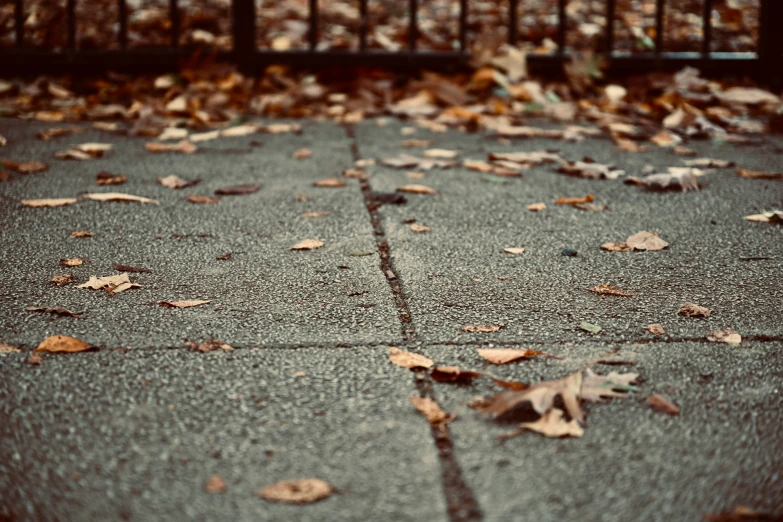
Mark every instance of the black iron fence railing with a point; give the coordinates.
(766, 63)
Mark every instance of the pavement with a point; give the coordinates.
(133, 429)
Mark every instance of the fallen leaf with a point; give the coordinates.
(184, 147)
(56, 132)
(483, 328)
(627, 145)
(111, 284)
(56, 310)
(434, 414)
(7, 348)
(302, 491)
(748, 96)
(355, 174)
(215, 484)
(725, 335)
(666, 138)
(127, 268)
(314, 214)
(107, 178)
(605, 289)
(406, 161)
(684, 180)
(741, 514)
(183, 304)
(590, 170)
(408, 359)
(589, 327)
(692, 310)
(416, 143)
(118, 196)
(34, 359)
(500, 168)
(280, 128)
(329, 183)
(25, 167)
(536, 207)
(51, 202)
(224, 257)
(81, 233)
(506, 355)
(62, 280)
(591, 207)
(419, 228)
(684, 151)
(416, 189)
(202, 200)
(551, 424)
(74, 261)
(62, 344)
(646, 240)
(574, 201)
(656, 329)
(239, 190)
(615, 247)
(774, 216)
(203, 136)
(527, 158)
(209, 345)
(175, 182)
(307, 244)
(302, 153)
(85, 151)
(661, 405)
(440, 153)
(708, 163)
(596, 388)
(239, 130)
(453, 374)
(752, 174)
(514, 250)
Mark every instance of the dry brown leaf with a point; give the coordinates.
(239, 130)
(591, 207)
(55, 310)
(355, 174)
(209, 345)
(307, 244)
(514, 250)
(62, 280)
(551, 424)
(302, 153)
(34, 359)
(615, 247)
(175, 182)
(684, 151)
(112, 284)
(7, 348)
(483, 328)
(107, 178)
(500, 168)
(184, 147)
(62, 344)
(314, 214)
(406, 161)
(574, 201)
(56, 132)
(741, 514)
(50, 202)
(708, 163)
(656, 329)
(118, 196)
(25, 167)
(453, 374)
(527, 158)
(280, 128)
(204, 136)
(224, 257)
(408, 359)
(661, 405)
(417, 189)
(85, 151)
(202, 200)
(419, 228)
(416, 143)
(188, 303)
(590, 170)
(74, 261)
(725, 335)
(432, 411)
(666, 138)
(596, 388)
(329, 183)
(215, 484)
(748, 96)
(605, 289)
(440, 154)
(753, 174)
(173, 133)
(239, 190)
(628, 145)
(506, 355)
(646, 240)
(683, 179)
(302, 491)
(49, 116)
(128, 268)
(415, 175)
(693, 310)
(773, 216)
(536, 207)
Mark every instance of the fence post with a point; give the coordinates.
(243, 25)
(771, 44)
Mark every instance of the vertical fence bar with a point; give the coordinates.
(313, 31)
(19, 22)
(770, 46)
(610, 10)
(174, 18)
(71, 21)
(561, 27)
(706, 42)
(513, 23)
(122, 13)
(463, 25)
(413, 24)
(660, 5)
(243, 28)
(362, 24)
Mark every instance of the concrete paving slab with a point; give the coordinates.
(457, 274)
(265, 295)
(723, 450)
(135, 435)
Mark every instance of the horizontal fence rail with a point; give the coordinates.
(765, 64)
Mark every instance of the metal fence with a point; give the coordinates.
(765, 64)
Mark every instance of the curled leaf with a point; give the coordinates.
(62, 344)
(409, 359)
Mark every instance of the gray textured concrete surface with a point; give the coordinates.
(133, 430)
